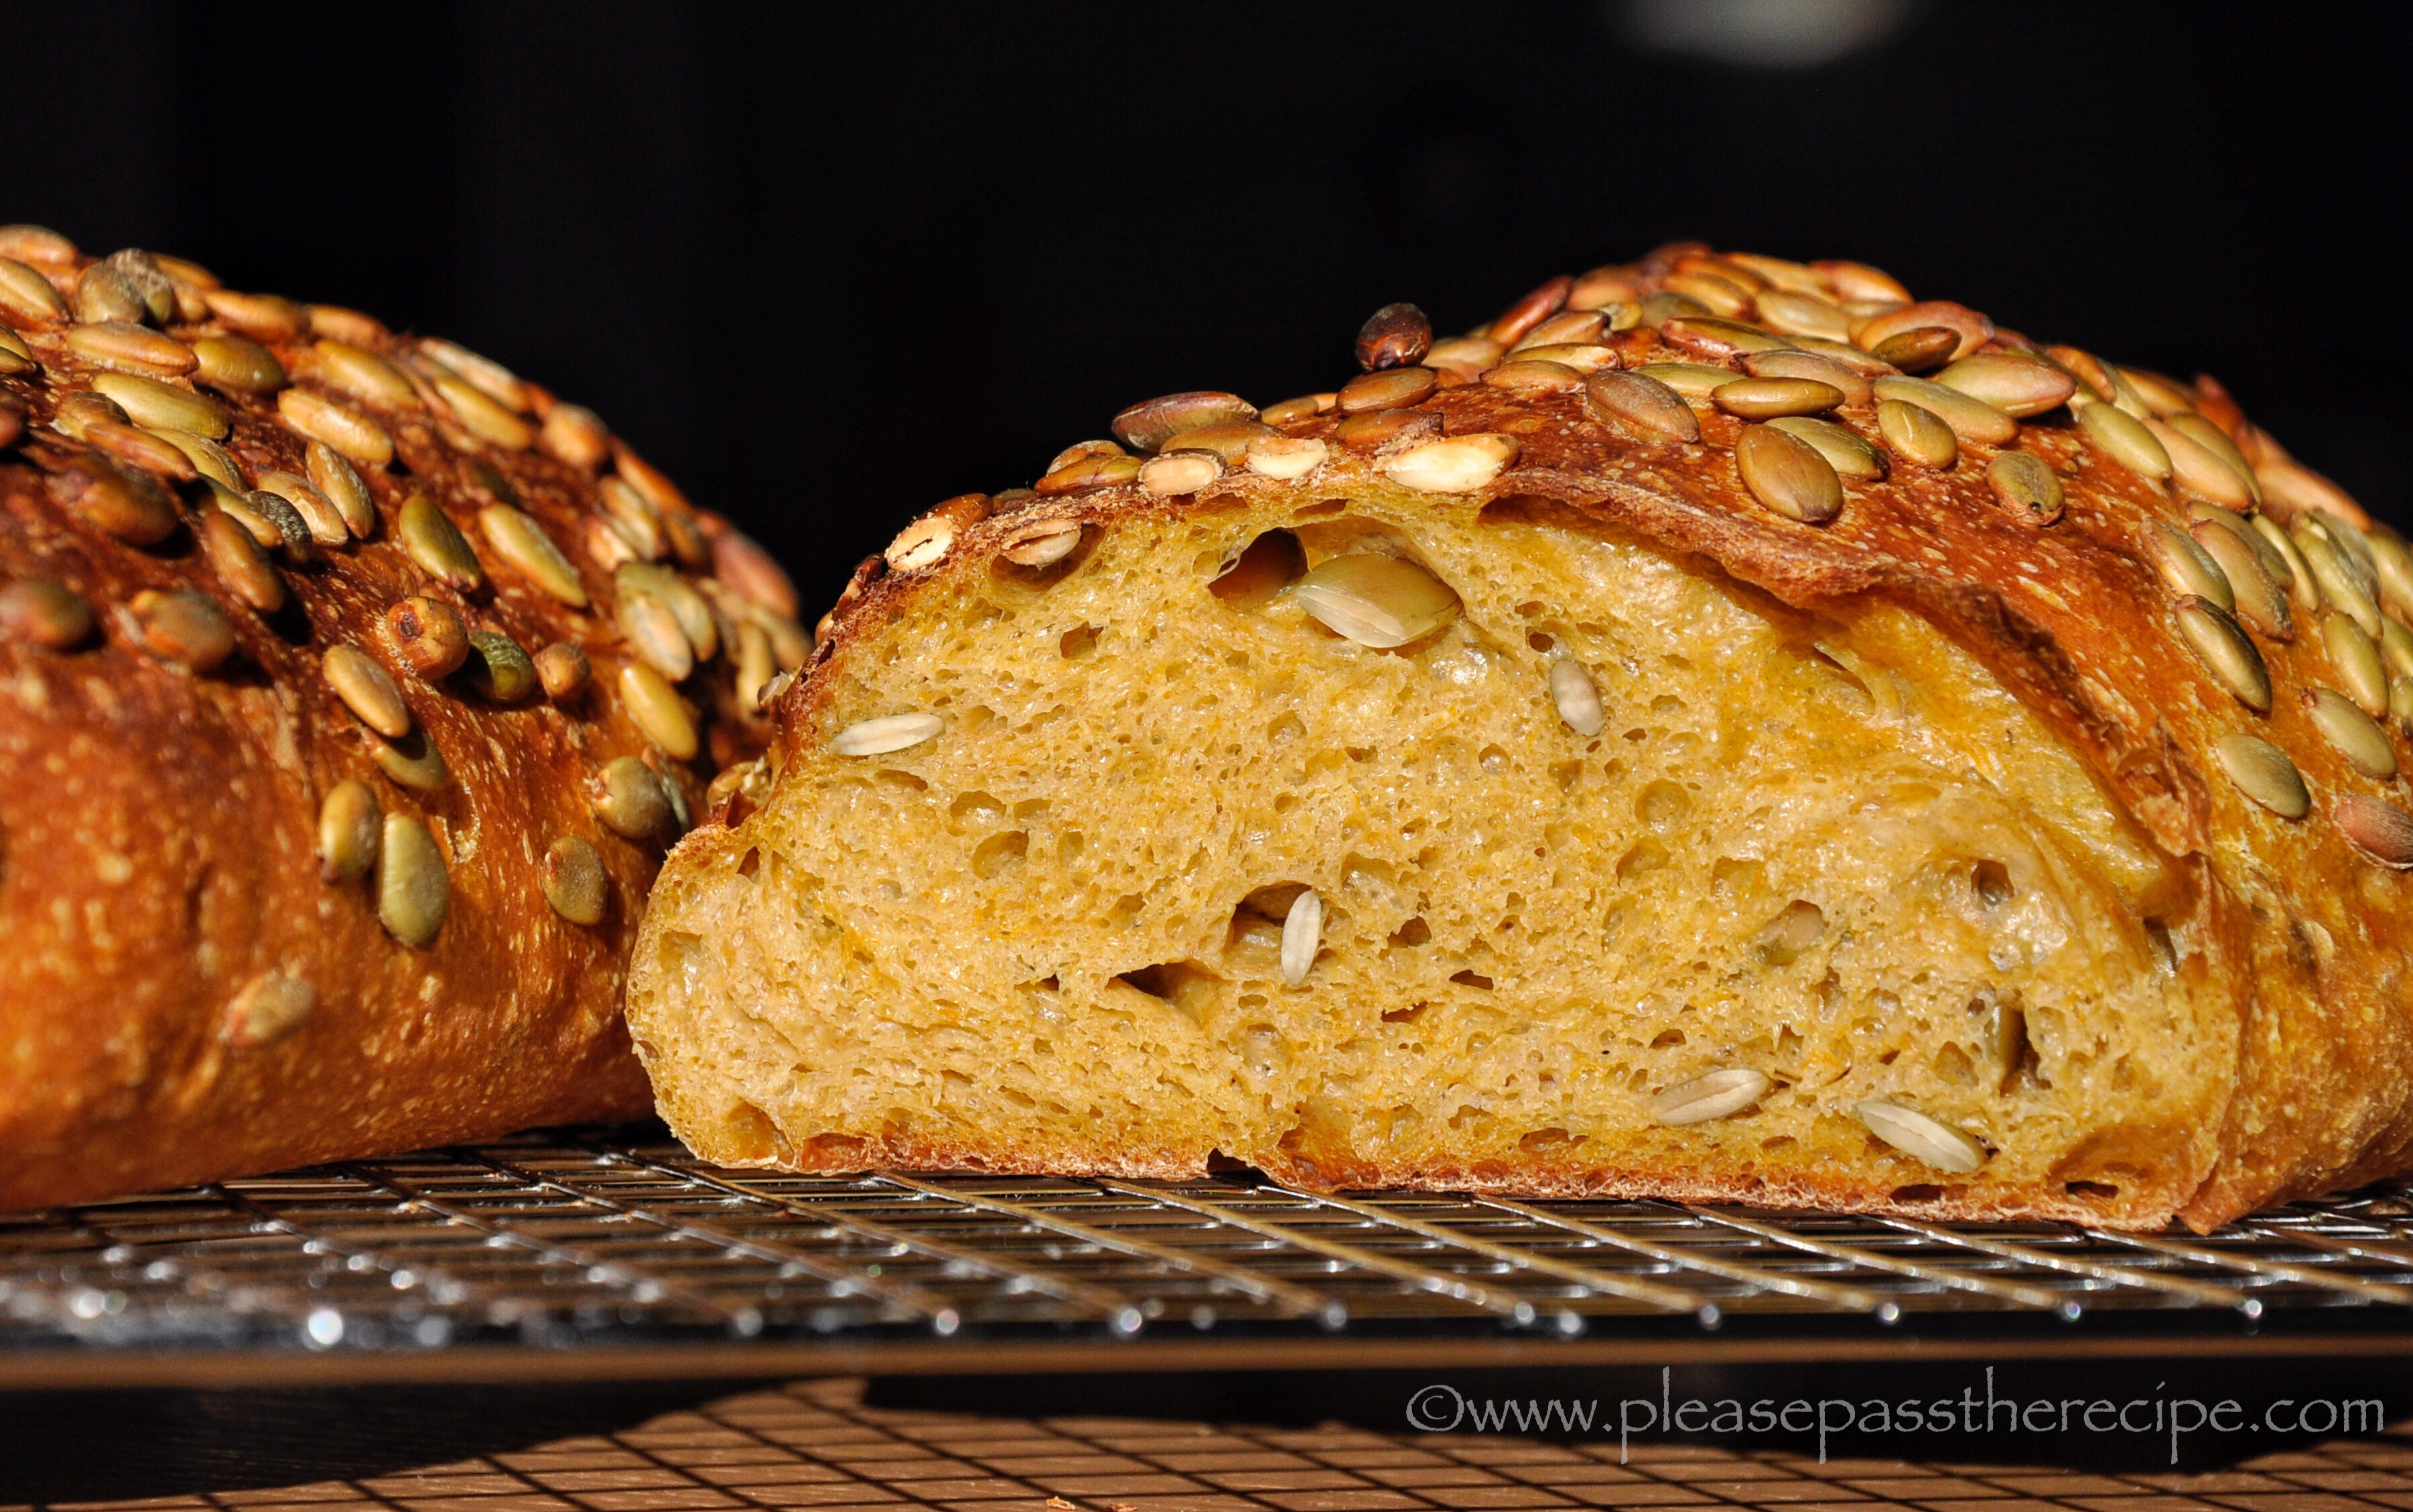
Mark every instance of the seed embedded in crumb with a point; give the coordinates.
(2378, 829)
(1577, 698)
(1376, 601)
(1453, 465)
(1043, 544)
(629, 798)
(349, 820)
(886, 733)
(269, 1006)
(367, 689)
(1640, 403)
(563, 669)
(48, 615)
(1177, 473)
(1717, 1095)
(1286, 457)
(428, 636)
(575, 883)
(928, 539)
(2227, 652)
(1915, 1134)
(2265, 774)
(1302, 934)
(498, 667)
(414, 890)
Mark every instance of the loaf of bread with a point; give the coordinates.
(350, 688)
(1726, 730)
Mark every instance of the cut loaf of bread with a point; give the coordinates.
(1725, 731)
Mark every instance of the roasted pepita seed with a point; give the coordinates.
(26, 298)
(1532, 310)
(1718, 1094)
(523, 545)
(2198, 471)
(317, 509)
(1969, 329)
(1640, 404)
(1845, 449)
(2186, 566)
(2203, 433)
(2017, 386)
(655, 634)
(1810, 366)
(154, 294)
(575, 435)
(1044, 543)
(141, 449)
(1396, 335)
(104, 293)
(1719, 340)
(1291, 411)
(48, 615)
(1534, 375)
(1922, 1138)
(413, 761)
(2357, 736)
(1093, 470)
(1693, 381)
(241, 565)
(757, 664)
(363, 375)
(1568, 328)
(1795, 312)
(163, 406)
(2380, 830)
(888, 732)
(1302, 934)
(629, 798)
(414, 890)
(2227, 652)
(2341, 585)
(2123, 439)
(1857, 280)
(1919, 349)
(638, 522)
(1719, 296)
(2354, 657)
(575, 883)
(1668, 304)
(1972, 420)
(1393, 388)
(2161, 395)
(694, 616)
(233, 365)
(2300, 582)
(1178, 474)
(1228, 440)
(2263, 773)
(1453, 465)
(1770, 398)
(491, 378)
(2400, 706)
(1576, 697)
(350, 823)
(2392, 566)
(184, 626)
(1788, 474)
(127, 506)
(428, 636)
(1917, 434)
(124, 347)
(265, 317)
(657, 710)
(2025, 485)
(483, 417)
(433, 541)
(269, 1007)
(1285, 456)
(563, 669)
(80, 411)
(367, 689)
(2258, 599)
(342, 487)
(361, 440)
(1466, 356)
(1381, 601)
(2396, 649)
(499, 669)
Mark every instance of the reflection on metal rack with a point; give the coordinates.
(608, 1237)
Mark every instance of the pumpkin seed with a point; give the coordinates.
(2357, 736)
(1534, 375)
(235, 366)
(1920, 1137)
(1393, 388)
(1285, 457)
(103, 293)
(413, 761)
(483, 417)
(1717, 295)
(576, 435)
(50, 614)
(1532, 310)
(122, 347)
(1802, 364)
(1466, 356)
(1795, 313)
(1396, 335)
(629, 799)
(1717, 1095)
(141, 449)
(655, 707)
(184, 626)
(433, 541)
(2396, 649)
(1693, 381)
(523, 544)
(886, 733)
(163, 406)
(325, 520)
(1381, 601)
(1291, 411)
(2340, 584)
(2300, 573)
(1302, 934)
(1844, 449)
(2186, 566)
(1453, 465)
(269, 1006)
(1150, 425)
(428, 636)
(2257, 599)
(2392, 569)
(2225, 651)
(2026, 486)
(1178, 474)
(2354, 657)
(1857, 280)
(2199, 470)
(1970, 329)
(1228, 440)
(35, 244)
(685, 603)
(125, 505)
(319, 418)
(154, 294)
(1788, 474)
(26, 298)
(1043, 544)
(491, 378)
(757, 664)
(563, 669)
(1094, 471)
(2161, 396)
(1719, 340)
(263, 316)
(1576, 697)
(367, 689)
(1919, 349)
(637, 521)
(1770, 398)
(342, 487)
(1640, 403)
(1568, 328)
(2124, 439)
(363, 375)
(499, 669)
(2204, 433)
(2400, 704)
(654, 633)
(1972, 420)
(1917, 435)
(238, 560)
(350, 823)
(575, 883)
(2017, 386)
(1666, 305)
(414, 891)
(2380, 830)
(2263, 773)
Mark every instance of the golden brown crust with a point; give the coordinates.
(184, 994)
(2295, 925)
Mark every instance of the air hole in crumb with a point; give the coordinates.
(2166, 954)
(1263, 569)
(2093, 1191)
(1545, 644)
(1471, 979)
(1405, 1016)
(1646, 856)
(902, 779)
(1669, 1039)
(750, 862)
(999, 852)
(1217, 1162)
(1412, 933)
(1786, 938)
(1360, 754)
(1287, 728)
(1171, 980)
(1919, 1191)
(1992, 881)
(1078, 643)
(1952, 1063)
(979, 807)
(1544, 1141)
(1778, 1142)
(1318, 511)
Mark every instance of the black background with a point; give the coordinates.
(830, 265)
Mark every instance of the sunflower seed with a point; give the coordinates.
(483, 417)
(1396, 335)
(127, 506)
(2225, 651)
(654, 633)
(2354, 657)
(1568, 328)
(1043, 544)
(326, 522)
(1534, 376)
(2263, 773)
(269, 1006)
(2186, 566)
(233, 364)
(414, 892)
(2380, 830)
(1972, 420)
(428, 636)
(1229, 440)
(1291, 411)
(349, 821)
(1393, 388)
(2258, 599)
(1844, 450)
(2125, 440)
(655, 707)
(1920, 1137)
(501, 671)
(1532, 310)
(1795, 312)
(367, 689)
(889, 732)
(141, 449)
(1381, 601)
(1717, 1095)
(1285, 457)
(2017, 386)
(50, 614)
(629, 799)
(1770, 398)
(1576, 697)
(413, 761)
(1693, 381)
(184, 626)
(318, 418)
(2356, 736)
(124, 347)
(240, 564)
(2026, 486)
(524, 547)
(26, 298)
(1092, 470)
(575, 883)
(433, 541)
(694, 616)
(1717, 340)
(2340, 584)
(1453, 465)
(1802, 364)
(163, 406)
(104, 293)
(1176, 474)
(1640, 403)
(1302, 934)
(1788, 474)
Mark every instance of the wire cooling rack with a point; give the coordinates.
(614, 1249)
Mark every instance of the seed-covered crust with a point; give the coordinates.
(312, 655)
(2211, 633)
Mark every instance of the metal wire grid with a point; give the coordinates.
(620, 1235)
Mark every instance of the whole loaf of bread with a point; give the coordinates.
(1726, 729)
(350, 688)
